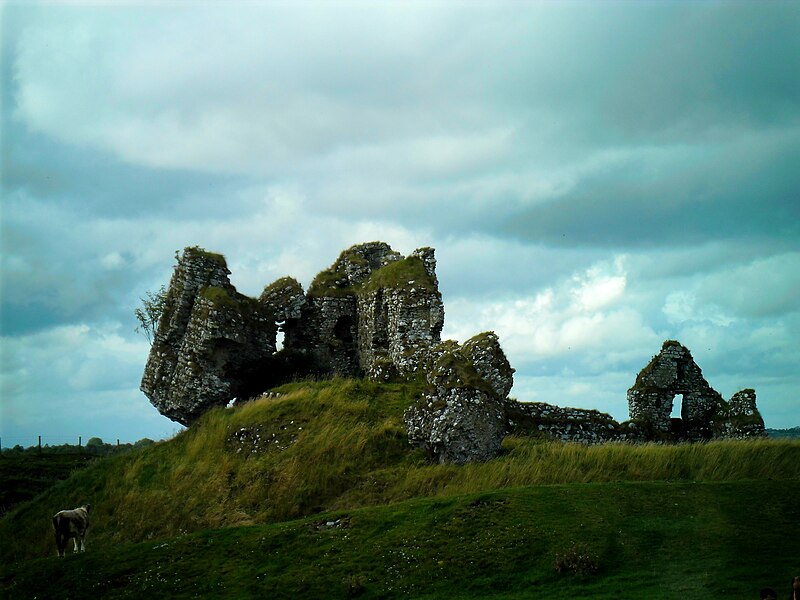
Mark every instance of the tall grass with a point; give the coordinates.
(526, 463)
(340, 445)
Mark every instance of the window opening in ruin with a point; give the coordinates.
(343, 332)
(343, 329)
(279, 340)
(677, 405)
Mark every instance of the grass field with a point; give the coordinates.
(239, 506)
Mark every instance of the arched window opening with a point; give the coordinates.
(677, 406)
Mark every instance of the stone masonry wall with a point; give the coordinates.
(399, 320)
(372, 312)
(565, 424)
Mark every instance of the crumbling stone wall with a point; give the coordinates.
(401, 316)
(372, 312)
(672, 372)
(566, 424)
(379, 314)
(741, 418)
(284, 299)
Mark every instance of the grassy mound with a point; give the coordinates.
(238, 501)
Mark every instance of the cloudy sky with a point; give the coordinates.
(596, 178)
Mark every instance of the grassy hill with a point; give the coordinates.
(23, 477)
(317, 494)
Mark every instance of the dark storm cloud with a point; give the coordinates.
(749, 190)
(95, 184)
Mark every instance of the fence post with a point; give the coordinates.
(80, 442)
(117, 442)
(40, 444)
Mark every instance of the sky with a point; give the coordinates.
(596, 178)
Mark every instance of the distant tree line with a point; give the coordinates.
(793, 433)
(94, 446)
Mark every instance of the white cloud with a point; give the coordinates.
(682, 306)
(167, 88)
(76, 380)
(112, 261)
(596, 289)
(758, 288)
(585, 316)
(751, 289)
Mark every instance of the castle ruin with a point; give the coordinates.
(374, 313)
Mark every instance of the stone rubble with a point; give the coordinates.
(566, 424)
(462, 417)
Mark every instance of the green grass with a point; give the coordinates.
(651, 540)
(397, 274)
(233, 501)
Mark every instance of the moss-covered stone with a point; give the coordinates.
(704, 413)
(284, 299)
(351, 269)
(211, 341)
(192, 252)
(408, 273)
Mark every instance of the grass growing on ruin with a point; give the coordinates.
(396, 274)
(212, 256)
(400, 274)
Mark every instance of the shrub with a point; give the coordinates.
(576, 560)
(353, 585)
